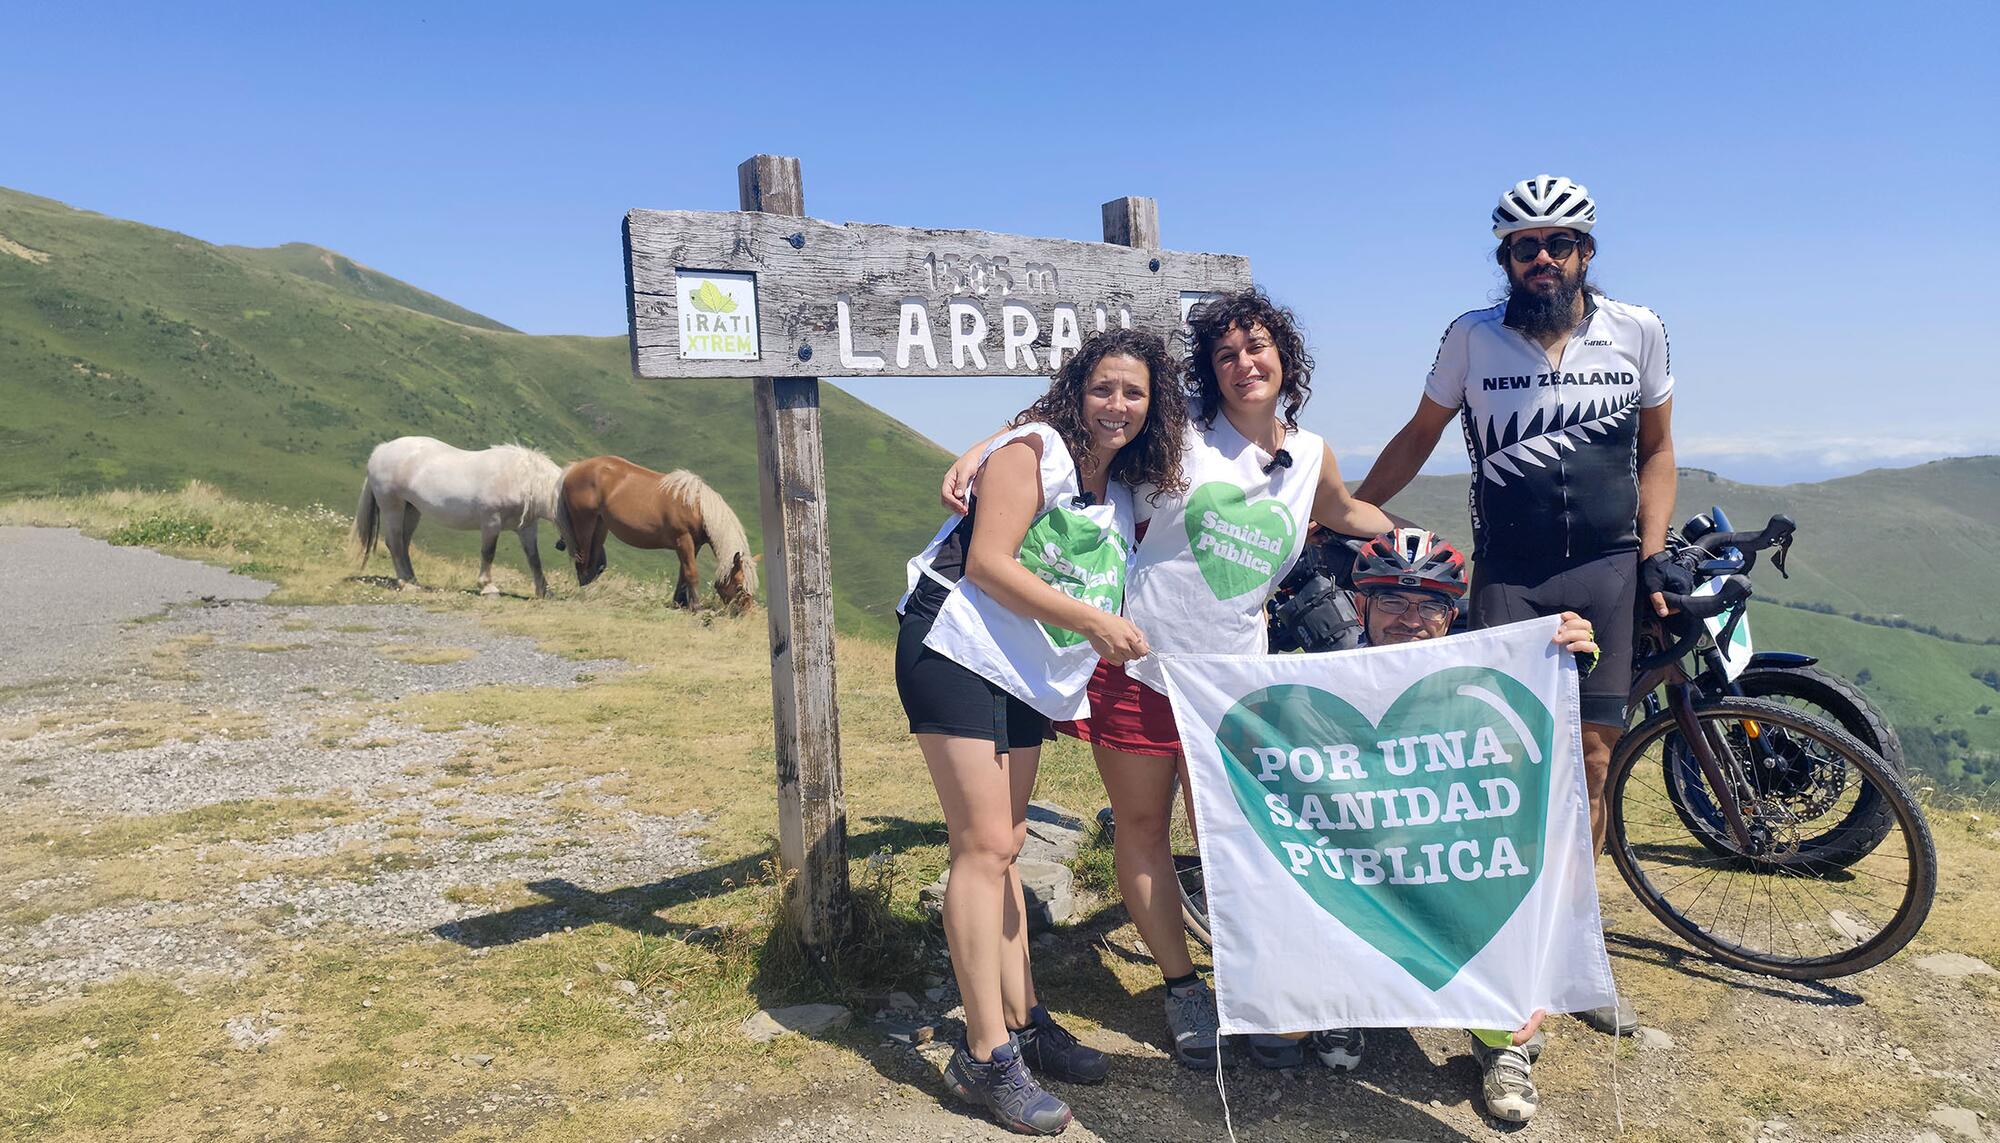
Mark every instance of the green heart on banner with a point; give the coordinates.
(1071, 552)
(1237, 545)
(1421, 833)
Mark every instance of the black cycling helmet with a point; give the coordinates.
(1410, 558)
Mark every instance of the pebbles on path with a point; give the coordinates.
(293, 669)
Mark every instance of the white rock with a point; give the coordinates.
(771, 1023)
(1960, 1121)
(1951, 964)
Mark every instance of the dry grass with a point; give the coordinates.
(137, 726)
(687, 727)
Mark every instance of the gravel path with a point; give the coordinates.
(68, 597)
(252, 689)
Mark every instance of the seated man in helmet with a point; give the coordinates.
(1407, 586)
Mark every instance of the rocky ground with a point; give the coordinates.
(262, 705)
(302, 801)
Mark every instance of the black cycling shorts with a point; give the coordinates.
(1602, 590)
(942, 697)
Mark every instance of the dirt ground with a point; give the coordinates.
(285, 871)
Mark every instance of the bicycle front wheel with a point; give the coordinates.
(1778, 905)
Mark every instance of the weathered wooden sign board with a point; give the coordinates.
(803, 298)
(767, 293)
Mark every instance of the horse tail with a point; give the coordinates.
(361, 540)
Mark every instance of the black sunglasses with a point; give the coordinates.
(1559, 247)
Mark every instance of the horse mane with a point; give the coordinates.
(538, 479)
(725, 531)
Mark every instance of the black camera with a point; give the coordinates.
(1312, 614)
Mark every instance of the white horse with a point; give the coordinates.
(505, 487)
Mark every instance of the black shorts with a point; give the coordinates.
(942, 697)
(1602, 590)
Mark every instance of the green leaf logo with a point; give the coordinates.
(710, 300)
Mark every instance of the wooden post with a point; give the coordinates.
(1132, 221)
(812, 807)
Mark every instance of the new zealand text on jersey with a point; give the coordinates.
(1544, 380)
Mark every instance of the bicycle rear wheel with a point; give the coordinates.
(1795, 903)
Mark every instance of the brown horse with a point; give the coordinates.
(609, 495)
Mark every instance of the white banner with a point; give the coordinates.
(1394, 836)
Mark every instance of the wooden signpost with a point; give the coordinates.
(767, 292)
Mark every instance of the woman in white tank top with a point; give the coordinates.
(1009, 609)
(1207, 561)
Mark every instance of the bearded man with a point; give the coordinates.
(1566, 400)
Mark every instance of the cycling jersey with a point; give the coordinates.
(1554, 451)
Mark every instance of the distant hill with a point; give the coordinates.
(351, 277)
(1912, 546)
(1904, 550)
(134, 356)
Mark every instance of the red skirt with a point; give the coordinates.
(1127, 715)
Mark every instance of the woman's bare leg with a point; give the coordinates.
(1141, 787)
(982, 898)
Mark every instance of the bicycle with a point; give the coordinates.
(1781, 799)
(1777, 801)
(1786, 675)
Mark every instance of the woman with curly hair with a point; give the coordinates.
(1209, 556)
(1009, 609)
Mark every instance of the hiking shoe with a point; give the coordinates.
(1338, 1048)
(1006, 1090)
(1052, 1052)
(1612, 1020)
(1191, 1019)
(1273, 1052)
(1506, 1079)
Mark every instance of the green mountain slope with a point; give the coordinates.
(351, 277)
(1903, 549)
(1897, 546)
(133, 356)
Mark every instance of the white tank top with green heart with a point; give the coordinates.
(1080, 549)
(1211, 558)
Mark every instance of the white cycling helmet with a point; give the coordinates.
(1545, 200)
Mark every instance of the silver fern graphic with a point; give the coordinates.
(1549, 433)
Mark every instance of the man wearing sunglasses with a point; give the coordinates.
(1566, 399)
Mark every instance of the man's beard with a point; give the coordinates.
(1540, 314)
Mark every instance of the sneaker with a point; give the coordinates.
(1613, 1020)
(1051, 1051)
(1191, 1019)
(1272, 1051)
(1004, 1087)
(1338, 1048)
(1506, 1079)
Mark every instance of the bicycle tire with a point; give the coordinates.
(1850, 708)
(1864, 824)
(1193, 889)
(1920, 851)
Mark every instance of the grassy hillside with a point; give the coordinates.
(136, 357)
(133, 356)
(351, 277)
(1901, 549)
(1897, 546)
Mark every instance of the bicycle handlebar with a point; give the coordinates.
(1778, 531)
(1693, 608)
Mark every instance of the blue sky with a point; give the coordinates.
(1806, 193)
